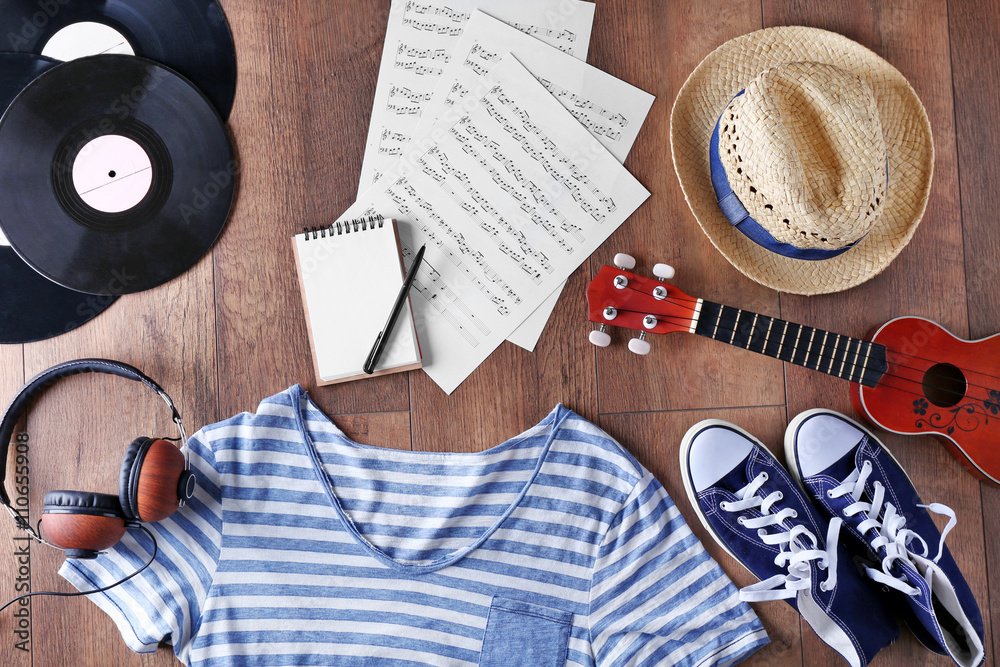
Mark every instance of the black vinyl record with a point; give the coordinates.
(33, 308)
(117, 174)
(189, 36)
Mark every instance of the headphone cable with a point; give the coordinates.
(99, 590)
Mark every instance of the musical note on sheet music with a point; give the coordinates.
(407, 51)
(417, 68)
(403, 110)
(403, 91)
(457, 92)
(552, 33)
(439, 11)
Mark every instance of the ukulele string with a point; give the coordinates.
(691, 301)
(864, 368)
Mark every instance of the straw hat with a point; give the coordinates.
(822, 158)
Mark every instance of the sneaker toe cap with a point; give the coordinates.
(823, 439)
(715, 451)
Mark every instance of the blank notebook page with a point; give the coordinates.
(350, 274)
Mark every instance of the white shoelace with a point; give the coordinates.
(797, 546)
(891, 532)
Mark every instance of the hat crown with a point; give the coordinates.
(804, 151)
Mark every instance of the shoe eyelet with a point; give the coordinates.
(829, 494)
(764, 475)
(742, 520)
(823, 587)
(794, 514)
(761, 532)
(723, 505)
(780, 495)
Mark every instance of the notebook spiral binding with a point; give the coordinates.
(345, 227)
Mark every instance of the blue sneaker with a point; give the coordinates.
(750, 505)
(850, 475)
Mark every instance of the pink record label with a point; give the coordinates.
(112, 174)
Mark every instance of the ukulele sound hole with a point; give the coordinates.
(944, 385)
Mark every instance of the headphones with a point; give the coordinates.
(155, 477)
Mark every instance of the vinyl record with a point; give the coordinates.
(189, 36)
(117, 174)
(31, 307)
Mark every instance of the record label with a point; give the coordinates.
(86, 38)
(112, 174)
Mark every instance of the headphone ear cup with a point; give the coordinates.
(128, 476)
(82, 523)
(149, 478)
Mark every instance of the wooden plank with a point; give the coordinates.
(912, 36)
(654, 438)
(974, 54)
(15, 621)
(307, 78)
(655, 46)
(81, 426)
(378, 429)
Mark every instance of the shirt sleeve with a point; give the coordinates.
(658, 598)
(164, 603)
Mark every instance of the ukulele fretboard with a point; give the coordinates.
(852, 359)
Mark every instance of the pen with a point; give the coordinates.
(397, 307)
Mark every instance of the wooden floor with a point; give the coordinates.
(231, 331)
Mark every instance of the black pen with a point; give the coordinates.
(397, 308)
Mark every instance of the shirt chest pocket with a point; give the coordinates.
(519, 634)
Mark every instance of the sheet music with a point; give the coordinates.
(419, 39)
(611, 109)
(509, 199)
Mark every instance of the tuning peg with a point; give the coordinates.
(623, 261)
(639, 345)
(664, 271)
(600, 337)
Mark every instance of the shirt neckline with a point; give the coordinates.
(553, 421)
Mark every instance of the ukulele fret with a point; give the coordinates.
(847, 352)
(809, 346)
(837, 355)
(781, 342)
(826, 336)
(752, 325)
(857, 353)
(797, 348)
(767, 335)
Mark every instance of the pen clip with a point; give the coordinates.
(369, 366)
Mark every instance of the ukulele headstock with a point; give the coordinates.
(617, 297)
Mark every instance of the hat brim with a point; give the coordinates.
(729, 69)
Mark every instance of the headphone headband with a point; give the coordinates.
(43, 381)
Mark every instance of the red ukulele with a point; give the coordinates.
(909, 376)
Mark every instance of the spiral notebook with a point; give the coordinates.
(349, 274)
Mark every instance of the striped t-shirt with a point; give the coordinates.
(302, 547)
